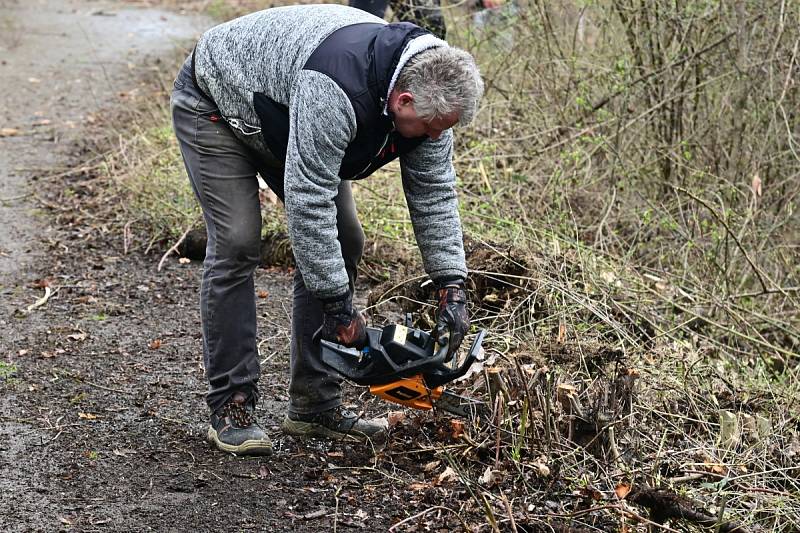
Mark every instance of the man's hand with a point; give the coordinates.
(452, 319)
(342, 323)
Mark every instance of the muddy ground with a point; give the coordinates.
(102, 416)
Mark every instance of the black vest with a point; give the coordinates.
(361, 59)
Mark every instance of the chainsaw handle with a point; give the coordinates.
(444, 346)
(433, 380)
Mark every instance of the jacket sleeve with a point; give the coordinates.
(321, 125)
(429, 184)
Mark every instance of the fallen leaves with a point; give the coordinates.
(9, 132)
(155, 344)
(490, 477)
(713, 466)
(456, 427)
(122, 453)
(395, 417)
(566, 394)
(589, 492)
(49, 355)
(622, 490)
(87, 416)
(431, 466)
(447, 477)
(541, 468)
(43, 283)
(729, 431)
(315, 514)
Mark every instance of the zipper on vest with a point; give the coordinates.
(242, 126)
(377, 154)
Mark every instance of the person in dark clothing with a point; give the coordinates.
(425, 13)
(309, 98)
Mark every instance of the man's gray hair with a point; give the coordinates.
(442, 80)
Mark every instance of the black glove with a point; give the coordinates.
(452, 319)
(342, 323)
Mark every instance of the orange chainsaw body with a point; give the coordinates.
(410, 391)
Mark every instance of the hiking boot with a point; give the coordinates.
(336, 424)
(234, 428)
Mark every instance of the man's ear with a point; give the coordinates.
(405, 99)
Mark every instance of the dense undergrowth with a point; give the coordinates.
(629, 195)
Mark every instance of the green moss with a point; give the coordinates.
(7, 370)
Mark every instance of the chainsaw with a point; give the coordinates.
(407, 366)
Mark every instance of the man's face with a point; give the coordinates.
(408, 124)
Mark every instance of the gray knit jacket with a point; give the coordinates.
(265, 52)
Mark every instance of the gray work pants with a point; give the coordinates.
(222, 172)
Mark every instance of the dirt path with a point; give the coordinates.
(102, 414)
(62, 62)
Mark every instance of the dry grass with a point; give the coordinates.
(636, 205)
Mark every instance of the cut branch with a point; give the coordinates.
(664, 505)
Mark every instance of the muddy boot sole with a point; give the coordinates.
(248, 447)
(312, 430)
